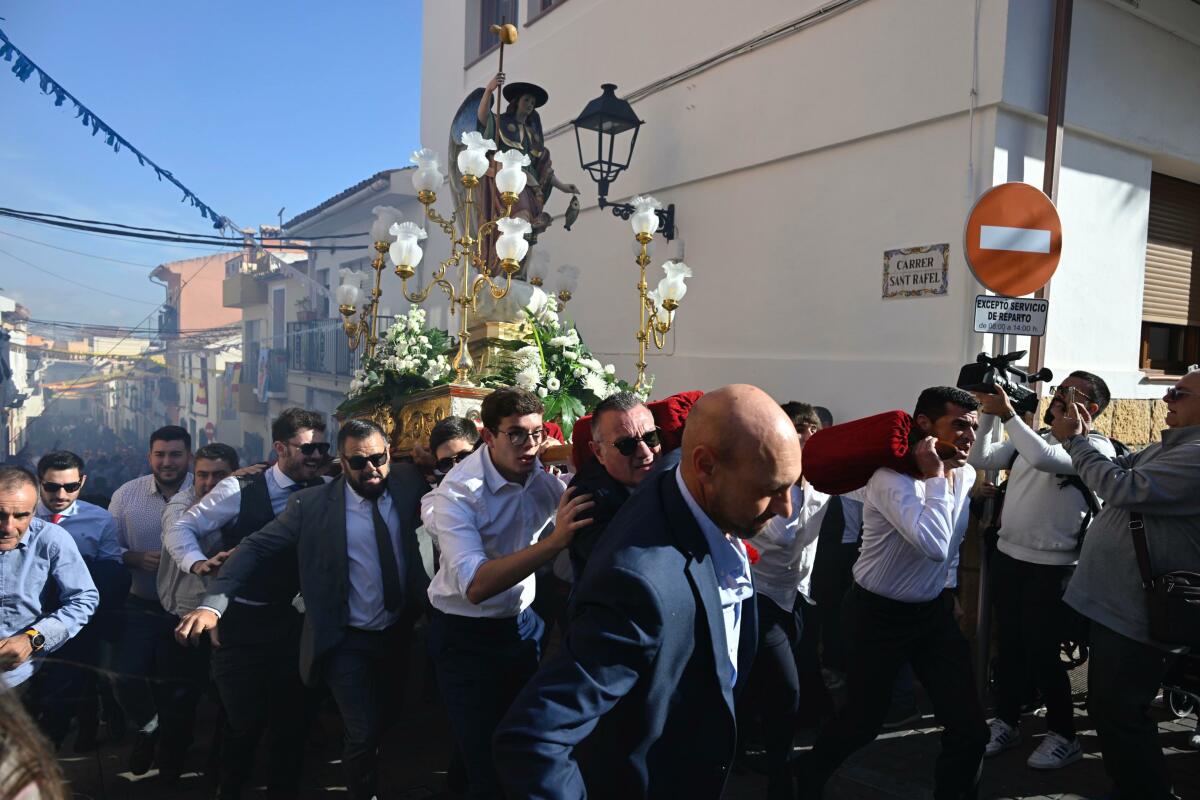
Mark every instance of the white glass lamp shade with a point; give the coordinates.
(644, 220)
(511, 177)
(568, 277)
(473, 160)
(657, 300)
(347, 294)
(405, 251)
(537, 266)
(385, 218)
(428, 176)
(672, 287)
(637, 249)
(511, 245)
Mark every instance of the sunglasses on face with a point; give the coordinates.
(1174, 394)
(446, 464)
(1061, 393)
(519, 436)
(360, 462)
(70, 488)
(629, 445)
(308, 448)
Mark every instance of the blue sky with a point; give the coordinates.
(252, 105)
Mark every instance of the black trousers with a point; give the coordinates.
(366, 676)
(882, 634)
(1123, 677)
(481, 665)
(1030, 626)
(257, 672)
(773, 691)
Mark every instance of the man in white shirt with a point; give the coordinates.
(254, 665)
(137, 507)
(496, 517)
(787, 549)
(899, 608)
(1045, 515)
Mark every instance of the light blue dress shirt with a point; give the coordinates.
(732, 567)
(362, 553)
(92, 527)
(46, 552)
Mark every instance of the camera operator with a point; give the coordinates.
(1161, 484)
(1043, 520)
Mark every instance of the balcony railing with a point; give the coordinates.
(320, 347)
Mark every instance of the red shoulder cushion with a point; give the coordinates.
(670, 414)
(842, 458)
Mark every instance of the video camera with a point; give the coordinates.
(988, 372)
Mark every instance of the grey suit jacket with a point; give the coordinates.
(314, 523)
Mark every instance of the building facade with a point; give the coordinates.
(802, 141)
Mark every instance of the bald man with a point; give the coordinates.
(662, 635)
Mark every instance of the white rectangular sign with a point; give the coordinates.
(1021, 316)
(1022, 240)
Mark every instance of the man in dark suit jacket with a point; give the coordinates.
(363, 586)
(660, 632)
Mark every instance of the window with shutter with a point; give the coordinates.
(1171, 296)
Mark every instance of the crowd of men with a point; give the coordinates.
(715, 596)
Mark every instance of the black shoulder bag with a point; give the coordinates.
(1173, 597)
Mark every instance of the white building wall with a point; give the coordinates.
(794, 165)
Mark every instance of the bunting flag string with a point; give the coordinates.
(24, 67)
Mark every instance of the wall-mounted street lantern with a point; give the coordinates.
(615, 126)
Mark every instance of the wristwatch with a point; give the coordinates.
(36, 640)
(1007, 415)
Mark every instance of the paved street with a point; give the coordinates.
(897, 766)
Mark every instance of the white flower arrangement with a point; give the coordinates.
(409, 358)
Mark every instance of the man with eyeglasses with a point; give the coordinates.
(1158, 489)
(496, 518)
(363, 586)
(66, 688)
(258, 638)
(1044, 520)
(137, 506)
(626, 445)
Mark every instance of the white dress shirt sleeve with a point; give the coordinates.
(928, 525)
(457, 537)
(214, 511)
(116, 507)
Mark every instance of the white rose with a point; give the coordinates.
(553, 384)
(542, 391)
(609, 369)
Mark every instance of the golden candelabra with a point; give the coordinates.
(466, 252)
(364, 331)
(652, 327)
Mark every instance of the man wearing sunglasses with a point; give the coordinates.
(496, 518)
(363, 584)
(1044, 520)
(1127, 664)
(259, 634)
(626, 445)
(68, 683)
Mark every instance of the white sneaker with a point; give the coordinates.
(1055, 752)
(1003, 737)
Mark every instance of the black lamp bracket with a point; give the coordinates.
(666, 216)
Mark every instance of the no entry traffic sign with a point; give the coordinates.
(1013, 239)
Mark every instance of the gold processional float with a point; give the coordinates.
(509, 332)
